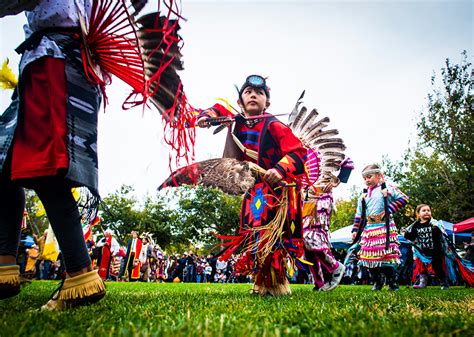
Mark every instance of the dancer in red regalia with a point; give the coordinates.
(132, 259)
(270, 221)
(110, 248)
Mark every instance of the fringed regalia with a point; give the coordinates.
(317, 210)
(454, 268)
(270, 218)
(374, 251)
(316, 237)
(270, 222)
(96, 39)
(48, 135)
(82, 106)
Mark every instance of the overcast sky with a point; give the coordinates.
(365, 64)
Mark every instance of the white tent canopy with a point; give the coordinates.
(342, 237)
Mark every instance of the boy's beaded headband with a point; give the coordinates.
(371, 171)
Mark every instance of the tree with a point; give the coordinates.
(439, 170)
(344, 212)
(182, 219)
(37, 221)
(446, 127)
(119, 211)
(156, 219)
(202, 211)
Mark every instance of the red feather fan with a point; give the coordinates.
(145, 53)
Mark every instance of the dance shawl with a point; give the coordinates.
(455, 267)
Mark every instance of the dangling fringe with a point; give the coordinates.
(10, 275)
(279, 289)
(381, 263)
(82, 286)
(231, 244)
(272, 233)
(87, 203)
(180, 130)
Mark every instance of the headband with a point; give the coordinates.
(255, 81)
(371, 171)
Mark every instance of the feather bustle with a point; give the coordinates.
(299, 118)
(307, 122)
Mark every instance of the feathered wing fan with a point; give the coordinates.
(230, 175)
(325, 152)
(162, 60)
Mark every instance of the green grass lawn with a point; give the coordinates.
(150, 309)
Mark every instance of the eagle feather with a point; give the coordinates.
(230, 175)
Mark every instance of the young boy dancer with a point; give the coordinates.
(270, 222)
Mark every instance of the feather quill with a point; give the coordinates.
(330, 147)
(307, 122)
(334, 155)
(299, 118)
(327, 140)
(294, 112)
(315, 128)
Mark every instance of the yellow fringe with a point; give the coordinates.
(82, 286)
(279, 289)
(8, 80)
(10, 275)
(271, 233)
(309, 208)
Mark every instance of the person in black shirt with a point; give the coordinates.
(427, 235)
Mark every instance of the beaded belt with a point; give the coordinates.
(376, 218)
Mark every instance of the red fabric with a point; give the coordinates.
(40, 143)
(105, 259)
(250, 146)
(466, 274)
(221, 111)
(421, 268)
(289, 143)
(136, 264)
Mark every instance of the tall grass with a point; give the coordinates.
(144, 309)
